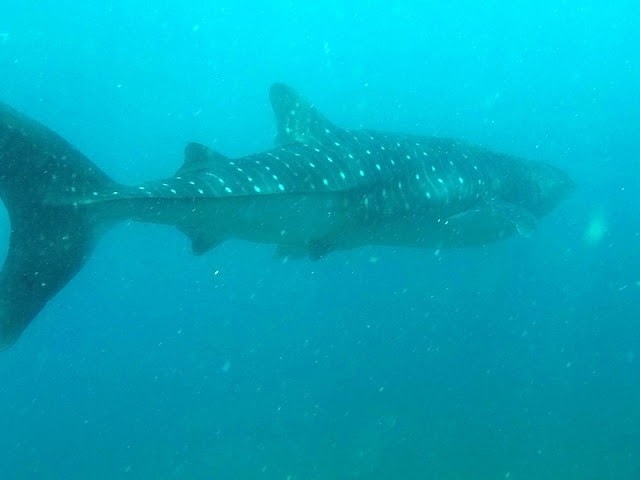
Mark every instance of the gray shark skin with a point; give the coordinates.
(320, 189)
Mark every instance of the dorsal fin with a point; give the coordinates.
(297, 119)
(198, 157)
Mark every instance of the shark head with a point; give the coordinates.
(546, 187)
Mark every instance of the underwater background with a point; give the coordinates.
(519, 360)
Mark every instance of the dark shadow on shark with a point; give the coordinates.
(321, 188)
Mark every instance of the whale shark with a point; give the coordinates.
(319, 189)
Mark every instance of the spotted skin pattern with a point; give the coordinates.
(321, 188)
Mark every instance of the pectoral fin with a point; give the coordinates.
(490, 221)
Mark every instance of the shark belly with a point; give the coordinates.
(275, 219)
(294, 221)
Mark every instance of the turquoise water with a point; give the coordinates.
(515, 361)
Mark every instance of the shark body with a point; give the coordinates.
(321, 188)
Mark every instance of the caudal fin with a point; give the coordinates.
(51, 236)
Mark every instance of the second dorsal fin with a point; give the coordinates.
(199, 157)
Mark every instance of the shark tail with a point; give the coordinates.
(51, 235)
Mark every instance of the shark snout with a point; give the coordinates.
(553, 185)
(564, 184)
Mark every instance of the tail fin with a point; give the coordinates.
(51, 237)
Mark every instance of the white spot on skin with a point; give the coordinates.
(342, 175)
(361, 172)
(325, 182)
(140, 188)
(350, 156)
(337, 144)
(329, 159)
(461, 180)
(433, 169)
(417, 176)
(227, 189)
(116, 193)
(173, 191)
(191, 182)
(200, 191)
(312, 165)
(428, 194)
(281, 187)
(256, 188)
(368, 152)
(215, 176)
(95, 194)
(440, 180)
(378, 167)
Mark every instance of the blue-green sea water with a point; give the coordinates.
(518, 361)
